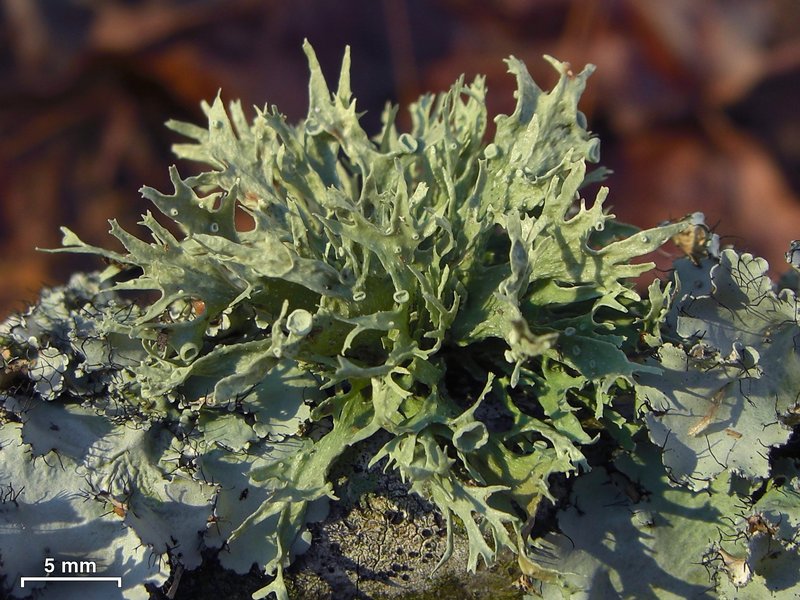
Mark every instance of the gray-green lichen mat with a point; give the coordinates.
(451, 292)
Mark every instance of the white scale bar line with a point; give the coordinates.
(24, 579)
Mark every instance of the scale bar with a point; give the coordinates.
(24, 579)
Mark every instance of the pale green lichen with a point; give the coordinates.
(453, 293)
(723, 402)
(721, 519)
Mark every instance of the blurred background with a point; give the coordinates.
(696, 103)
